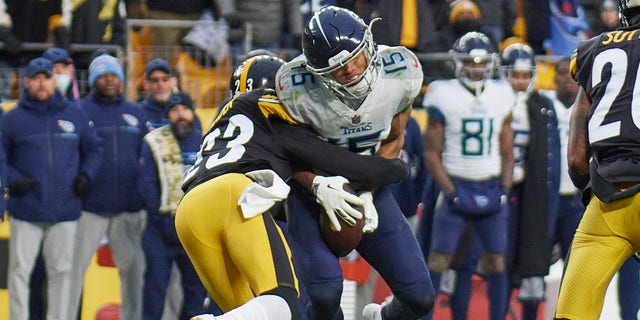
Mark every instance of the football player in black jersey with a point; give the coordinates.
(224, 219)
(604, 158)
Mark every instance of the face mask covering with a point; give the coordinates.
(63, 82)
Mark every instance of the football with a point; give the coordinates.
(344, 241)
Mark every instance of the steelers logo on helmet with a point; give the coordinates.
(475, 59)
(334, 37)
(518, 66)
(254, 73)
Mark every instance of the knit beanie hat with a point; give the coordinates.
(179, 99)
(102, 65)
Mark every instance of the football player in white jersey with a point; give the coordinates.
(570, 207)
(536, 179)
(469, 151)
(357, 95)
(230, 236)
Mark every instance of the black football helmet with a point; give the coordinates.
(623, 10)
(518, 58)
(474, 48)
(333, 37)
(255, 72)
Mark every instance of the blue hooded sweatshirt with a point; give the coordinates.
(121, 125)
(52, 142)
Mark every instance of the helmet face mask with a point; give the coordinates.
(335, 37)
(254, 73)
(360, 86)
(623, 10)
(519, 67)
(475, 59)
(521, 80)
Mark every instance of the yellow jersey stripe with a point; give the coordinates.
(270, 105)
(573, 65)
(243, 76)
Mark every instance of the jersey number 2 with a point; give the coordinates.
(618, 60)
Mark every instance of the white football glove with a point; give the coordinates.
(370, 213)
(335, 201)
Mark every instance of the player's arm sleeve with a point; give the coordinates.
(435, 114)
(573, 64)
(582, 61)
(413, 80)
(432, 95)
(417, 77)
(302, 145)
(287, 93)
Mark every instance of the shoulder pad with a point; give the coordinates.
(294, 76)
(398, 61)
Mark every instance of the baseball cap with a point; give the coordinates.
(157, 64)
(179, 99)
(57, 55)
(37, 66)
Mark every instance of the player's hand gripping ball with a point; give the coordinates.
(344, 241)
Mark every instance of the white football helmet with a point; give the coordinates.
(333, 37)
(475, 59)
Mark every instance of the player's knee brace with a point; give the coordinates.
(324, 298)
(492, 263)
(290, 295)
(438, 262)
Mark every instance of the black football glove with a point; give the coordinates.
(21, 186)
(81, 184)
